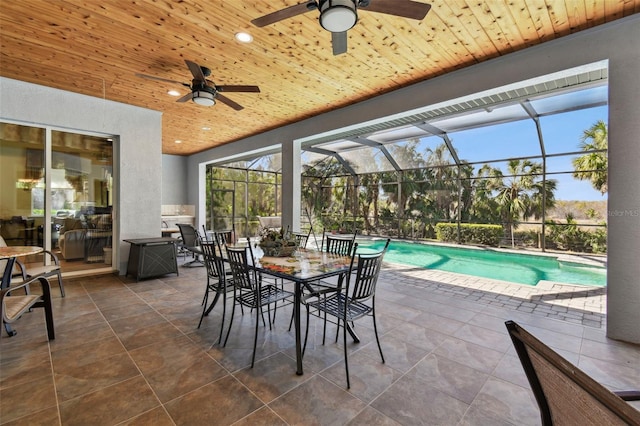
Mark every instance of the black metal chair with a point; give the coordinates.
(301, 238)
(340, 244)
(250, 291)
(355, 302)
(219, 280)
(191, 243)
(565, 394)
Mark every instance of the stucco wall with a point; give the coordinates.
(174, 179)
(138, 154)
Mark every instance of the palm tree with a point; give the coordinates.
(593, 165)
(520, 194)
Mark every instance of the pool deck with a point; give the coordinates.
(574, 304)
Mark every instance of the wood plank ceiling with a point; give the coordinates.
(97, 47)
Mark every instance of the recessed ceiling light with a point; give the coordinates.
(173, 93)
(206, 128)
(178, 141)
(243, 37)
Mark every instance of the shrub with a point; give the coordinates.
(470, 233)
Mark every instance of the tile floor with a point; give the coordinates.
(129, 353)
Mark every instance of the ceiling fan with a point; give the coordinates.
(338, 16)
(203, 91)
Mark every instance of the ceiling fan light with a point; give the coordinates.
(203, 98)
(338, 16)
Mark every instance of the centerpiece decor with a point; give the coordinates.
(277, 242)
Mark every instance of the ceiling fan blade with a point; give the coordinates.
(339, 42)
(235, 88)
(229, 102)
(405, 8)
(195, 70)
(150, 77)
(287, 12)
(186, 97)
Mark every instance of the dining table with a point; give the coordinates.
(10, 254)
(303, 267)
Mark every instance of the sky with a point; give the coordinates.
(561, 133)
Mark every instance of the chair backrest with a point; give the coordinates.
(224, 237)
(301, 238)
(367, 271)
(212, 259)
(205, 234)
(339, 244)
(565, 394)
(190, 236)
(238, 257)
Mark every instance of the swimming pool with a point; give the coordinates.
(487, 263)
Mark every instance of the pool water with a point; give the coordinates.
(487, 263)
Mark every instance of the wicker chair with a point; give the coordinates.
(565, 394)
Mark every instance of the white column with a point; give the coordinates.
(623, 279)
(291, 185)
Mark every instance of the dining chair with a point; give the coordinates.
(219, 280)
(224, 237)
(250, 291)
(191, 243)
(565, 394)
(355, 301)
(339, 244)
(12, 306)
(301, 238)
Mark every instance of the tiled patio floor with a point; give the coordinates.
(129, 353)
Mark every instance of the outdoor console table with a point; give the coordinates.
(152, 257)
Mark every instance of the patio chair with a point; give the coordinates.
(565, 394)
(219, 281)
(191, 243)
(47, 270)
(340, 244)
(250, 291)
(12, 306)
(301, 238)
(358, 300)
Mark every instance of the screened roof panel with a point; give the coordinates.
(414, 153)
(571, 100)
(338, 146)
(507, 140)
(367, 160)
(481, 118)
(391, 135)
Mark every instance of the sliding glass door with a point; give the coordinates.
(57, 193)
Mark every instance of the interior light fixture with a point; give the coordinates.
(206, 128)
(243, 37)
(177, 141)
(173, 93)
(338, 16)
(203, 98)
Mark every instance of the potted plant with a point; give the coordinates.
(274, 242)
